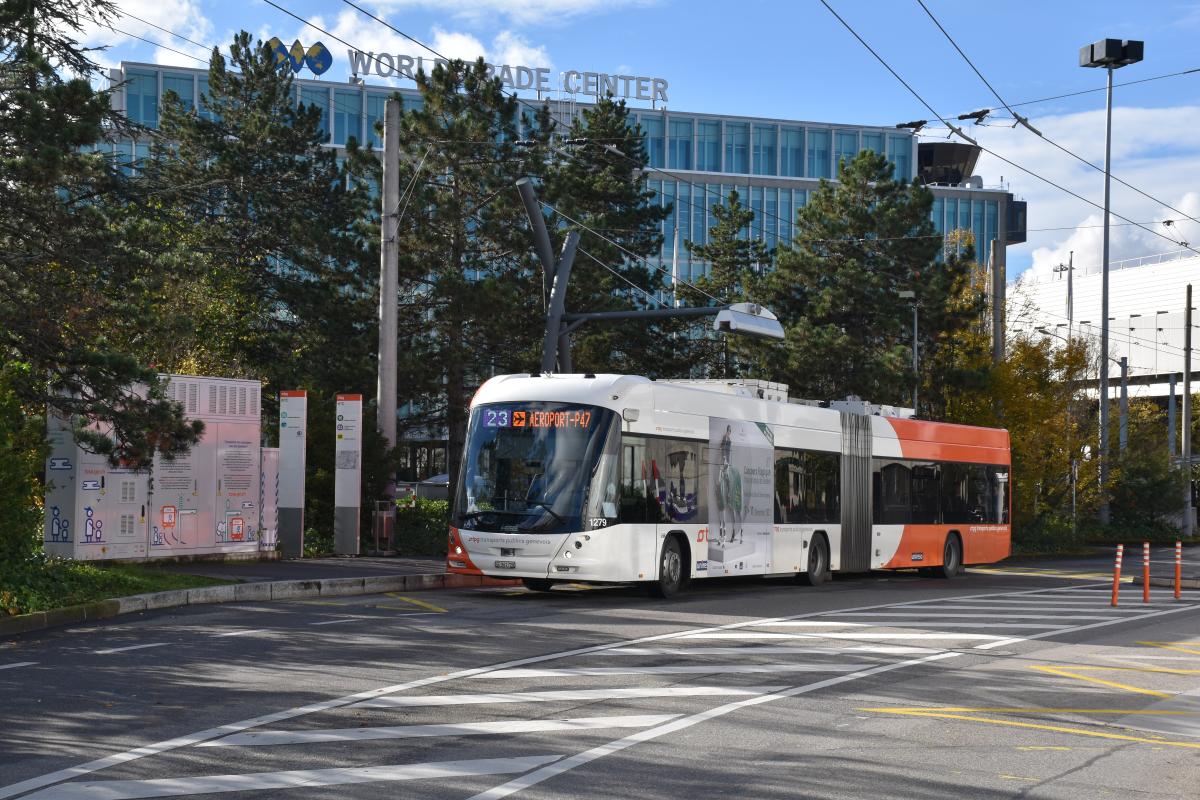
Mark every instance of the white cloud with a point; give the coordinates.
(1154, 149)
(512, 48)
(507, 47)
(525, 12)
(181, 16)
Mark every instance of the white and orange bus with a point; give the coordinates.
(617, 479)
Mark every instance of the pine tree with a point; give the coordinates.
(735, 263)
(274, 244)
(596, 181)
(69, 271)
(857, 244)
(471, 294)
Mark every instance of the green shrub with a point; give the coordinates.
(422, 530)
(317, 543)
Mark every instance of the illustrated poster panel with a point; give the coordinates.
(238, 486)
(740, 511)
(181, 516)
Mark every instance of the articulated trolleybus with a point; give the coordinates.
(616, 479)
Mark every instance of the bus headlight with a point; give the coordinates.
(457, 550)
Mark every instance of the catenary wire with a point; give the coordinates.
(648, 295)
(156, 44)
(991, 152)
(125, 13)
(1024, 122)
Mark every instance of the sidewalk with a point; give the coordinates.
(312, 569)
(266, 580)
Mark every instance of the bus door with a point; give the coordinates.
(855, 550)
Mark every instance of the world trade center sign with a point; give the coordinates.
(596, 84)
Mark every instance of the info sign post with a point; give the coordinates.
(347, 483)
(293, 429)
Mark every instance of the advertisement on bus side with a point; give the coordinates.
(740, 513)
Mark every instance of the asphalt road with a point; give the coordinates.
(1019, 682)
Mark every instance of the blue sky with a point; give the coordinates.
(794, 60)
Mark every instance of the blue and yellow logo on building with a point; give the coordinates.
(317, 57)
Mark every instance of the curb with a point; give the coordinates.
(1169, 583)
(241, 592)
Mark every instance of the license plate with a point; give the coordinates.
(506, 565)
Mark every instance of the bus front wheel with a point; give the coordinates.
(671, 571)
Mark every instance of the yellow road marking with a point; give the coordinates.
(1066, 672)
(1013, 710)
(935, 714)
(1043, 747)
(1017, 777)
(323, 603)
(415, 602)
(1176, 646)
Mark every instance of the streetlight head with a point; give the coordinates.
(1111, 53)
(748, 319)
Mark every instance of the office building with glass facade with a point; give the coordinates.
(695, 158)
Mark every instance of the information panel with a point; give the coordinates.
(347, 485)
(293, 436)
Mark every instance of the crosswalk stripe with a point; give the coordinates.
(16, 664)
(831, 635)
(131, 647)
(259, 738)
(1005, 608)
(934, 616)
(937, 623)
(808, 623)
(672, 669)
(766, 649)
(559, 695)
(288, 779)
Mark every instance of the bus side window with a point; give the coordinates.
(634, 490)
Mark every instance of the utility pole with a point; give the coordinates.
(388, 280)
(999, 293)
(1185, 424)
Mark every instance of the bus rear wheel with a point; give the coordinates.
(818, 571)
(671, 572)
(952, 562)
(537, 584)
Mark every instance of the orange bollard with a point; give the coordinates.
(1178, 568)
(1117, 573)
(1145, 572)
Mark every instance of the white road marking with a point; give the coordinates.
(259, 609)
(578, 760)
(1017, 607)
(380, 617)
(935, 616)
(673, 669)
(766, 649)
(837, 635)
(258, 738)
(1106, 623)
(934, 623)
(552, 696)
(290, 779)
(804, 623)
(339, 621)
(131, 647)
(18, 664)
(167, 745)
(241, 633)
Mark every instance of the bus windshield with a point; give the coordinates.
(540, 467)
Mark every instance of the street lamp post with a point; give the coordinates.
(908, 294)
(1110, 54)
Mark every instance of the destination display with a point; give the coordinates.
(536, 418)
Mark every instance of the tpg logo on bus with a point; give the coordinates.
(595, 84)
